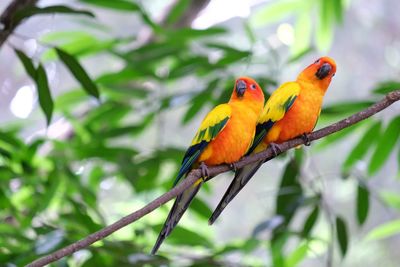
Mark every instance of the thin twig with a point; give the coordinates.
(6, 19)
(195, 174)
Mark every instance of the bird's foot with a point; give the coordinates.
(306, 139)
(233, 166)
(204, 171)
(276, 149)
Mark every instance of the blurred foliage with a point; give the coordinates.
(321, 14)
(50, 189)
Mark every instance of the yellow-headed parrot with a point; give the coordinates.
(225, 135)
(291, 111)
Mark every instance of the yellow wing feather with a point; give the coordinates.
(279, 102)
(213, 123)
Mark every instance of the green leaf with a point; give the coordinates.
(27, 62)
(300, 55)
(276, 11)
(290, 195)
(189, 66)
(302, 35)
(184, 236)
(386, 87)
(384, 230)
(152, 52)
(189, 34)
(310, 222)
(70, 99)
(338, 136)
(52, 186)
(385, 146)
(120, 5)
(45, 100)
(390, 198)
(343, 108)
(370, 137)
(297, 255)
(199, 101)
(201, 208)
(338, 7)
(324, 33)
(246, 246)
(79, 43)
(177, 11)
(362, 203)
(341, 235)
(79, 73)
(34, 10)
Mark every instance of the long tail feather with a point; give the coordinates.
(181, 204)
(242, 176)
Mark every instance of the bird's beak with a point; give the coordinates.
(240, 88)
(323, 71)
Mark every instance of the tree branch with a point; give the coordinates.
(6, 19)
(196, 174)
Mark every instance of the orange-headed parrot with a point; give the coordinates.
(225, 135)
(291, 111)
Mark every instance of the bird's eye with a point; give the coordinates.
(333, 74)
(253, 86)
(317, 61)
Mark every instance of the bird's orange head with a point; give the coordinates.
(319, 73)
(247, 89)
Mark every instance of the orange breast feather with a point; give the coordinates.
(235, 139)
(300, 119)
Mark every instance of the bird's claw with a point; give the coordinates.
(204, 171)
(276, 149)
(306, 139)
(233, 166)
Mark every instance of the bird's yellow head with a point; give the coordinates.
(247, 89)
(320, 72)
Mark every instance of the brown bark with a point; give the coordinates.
(6, 18)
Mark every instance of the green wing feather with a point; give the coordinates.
(212, 125)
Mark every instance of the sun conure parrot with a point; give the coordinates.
(224, 136)
(291, 111)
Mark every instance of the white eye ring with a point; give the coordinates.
(253, 86)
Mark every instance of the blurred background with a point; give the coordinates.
(99, 100)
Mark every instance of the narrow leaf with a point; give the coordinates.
(79, 73)
(27, 62)
(45, 100)
(302, 34)
(199, 101)
(338, 7)
(391, 199)
(276, 11)
(121, 5)
(362, 204)
(341, 234)
(297, 255)
(290, 193)
(177, 11)
(360, 150)
(342, 108)
(386, 87)
(385, 230)
(310, 222)
(33, 10)
(385, 146)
